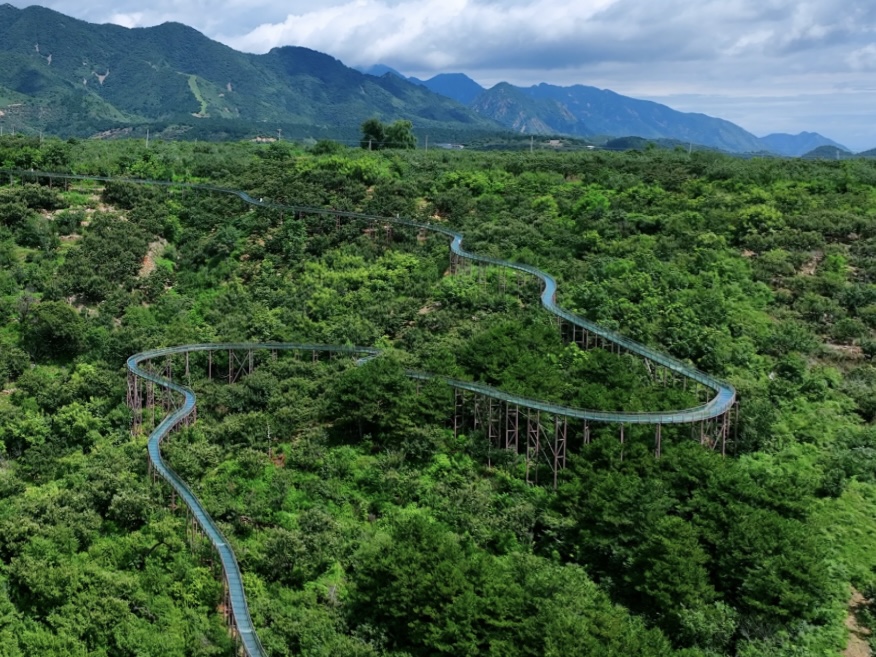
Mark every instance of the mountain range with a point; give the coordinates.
(68, 77)
(589, 112)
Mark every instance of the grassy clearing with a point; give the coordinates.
(78, 199)
(193, 85)
(850, 521)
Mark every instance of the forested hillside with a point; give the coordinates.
(63, 76)
(363, 524)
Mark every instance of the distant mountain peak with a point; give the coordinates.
(798, 145)
(8, 11)
(379, 70)
(302, 50)
(457, 86)
(460, 77)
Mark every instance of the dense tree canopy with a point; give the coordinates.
(363, 524)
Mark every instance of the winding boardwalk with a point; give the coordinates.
(717, 409)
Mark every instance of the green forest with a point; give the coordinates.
(363, 524)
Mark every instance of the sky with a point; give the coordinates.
(767, 65)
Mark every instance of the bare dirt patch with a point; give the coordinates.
(100, 207)
(858, 645)
(811, 266)
(425, 310)
(851, 351)
(278, 459)
(156, 248)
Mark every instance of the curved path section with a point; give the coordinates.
(243, 625)
(719, 405)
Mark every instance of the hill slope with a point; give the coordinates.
(68, 76)
(828, 153)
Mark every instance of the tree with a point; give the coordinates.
(375, 398)
(419, 581)
(377, 136)
(54, 329)
(373, 135)
(328, 147)
(400, 134)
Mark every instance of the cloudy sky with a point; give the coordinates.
(768, 65)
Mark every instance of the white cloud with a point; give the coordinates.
(755, 41)
(434, 32)
(863, 59)
(127, 20)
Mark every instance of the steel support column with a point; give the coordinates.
(735, 425)
(658, 441)
(512, 427)
(168, 402)
(533, 442)
(493, 423)
(150, 399)
(135, 403)
(239, 365)
(622, 441)
(458, 411)
(561, 427)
